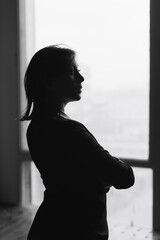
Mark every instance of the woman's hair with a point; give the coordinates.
(45, 66)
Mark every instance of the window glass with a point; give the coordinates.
(133, 207)
(37, 187)
(112, 43)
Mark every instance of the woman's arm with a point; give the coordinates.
(109, 169)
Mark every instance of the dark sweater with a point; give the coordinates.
(77, 173)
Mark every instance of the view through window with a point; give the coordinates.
(111, 39)
(112, 42)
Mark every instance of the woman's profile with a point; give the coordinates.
(76, 170)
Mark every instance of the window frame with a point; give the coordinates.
(154, 118)
(154, 98)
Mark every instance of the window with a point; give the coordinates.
(112, 40)
(113, 52)
(133, 207)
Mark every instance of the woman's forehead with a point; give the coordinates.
(74, 63)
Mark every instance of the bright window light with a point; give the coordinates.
(112, 43)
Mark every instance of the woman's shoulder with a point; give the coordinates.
(55, 123)
(72, 122)
(69, 124)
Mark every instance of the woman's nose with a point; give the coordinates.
(80, 78)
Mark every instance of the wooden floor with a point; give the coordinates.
(15, 223)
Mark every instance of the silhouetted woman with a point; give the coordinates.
(76, 171)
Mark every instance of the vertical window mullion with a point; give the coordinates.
(155, 108)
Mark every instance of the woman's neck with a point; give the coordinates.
(52, 109)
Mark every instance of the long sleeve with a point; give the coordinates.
(74, 150)
(107, 168)
(77, 173)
